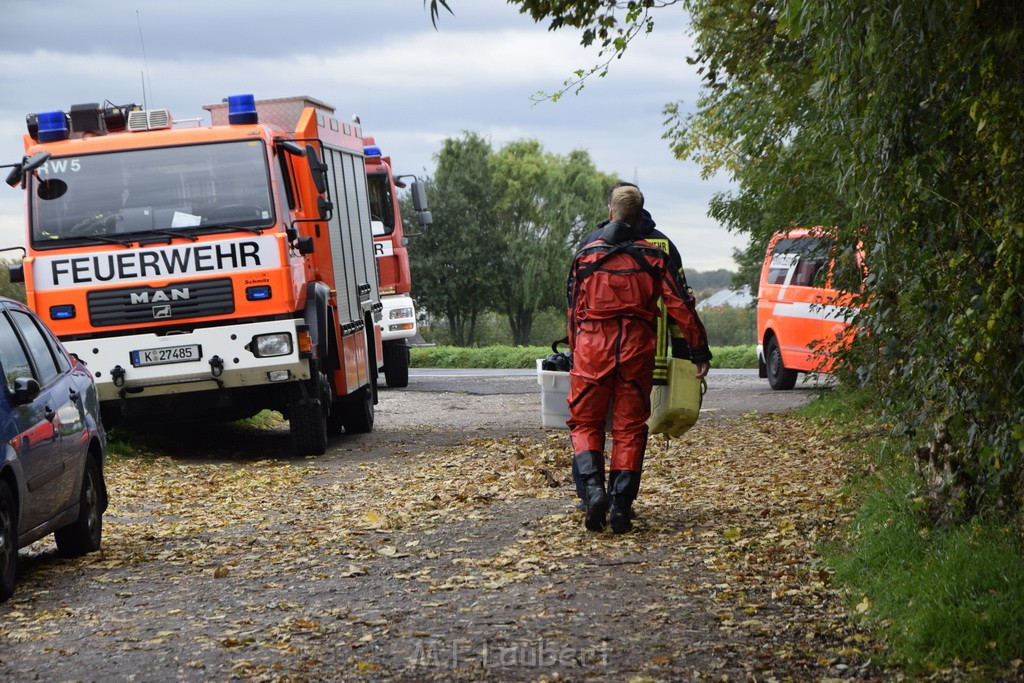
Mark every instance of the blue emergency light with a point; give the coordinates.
(259, 293)
(53, 126)
(371, 151)
(242, 109)
(64, 312)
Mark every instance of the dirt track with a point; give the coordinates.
(445, 546)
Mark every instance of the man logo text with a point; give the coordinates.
(159, 296)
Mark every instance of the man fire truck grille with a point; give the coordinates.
(135, 305)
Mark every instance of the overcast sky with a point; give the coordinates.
(411, 85)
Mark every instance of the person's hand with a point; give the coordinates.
(702, 370)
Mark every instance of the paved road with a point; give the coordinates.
(484, 398)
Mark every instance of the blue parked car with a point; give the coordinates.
(52, 445)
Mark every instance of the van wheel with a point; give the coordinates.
(396, 363)
(779, 378)
(85, 533)
(8, 542)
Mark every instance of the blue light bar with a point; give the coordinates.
(53, 126)
(242, 109)
(65, 312)
(261, 293)
(372, 151)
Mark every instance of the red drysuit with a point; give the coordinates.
(613, 308)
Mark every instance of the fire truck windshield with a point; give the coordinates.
(113, 196)
(381, 206)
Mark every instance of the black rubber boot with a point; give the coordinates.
(623, 486)
(581, 489)
(590, 465)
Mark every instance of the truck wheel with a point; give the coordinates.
(85, 533)
(396, 364)
(8, 542)
(357, 412)
(306, 420)
(779, 378)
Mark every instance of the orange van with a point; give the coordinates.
(805, 303)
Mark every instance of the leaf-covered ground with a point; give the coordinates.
(464, 562)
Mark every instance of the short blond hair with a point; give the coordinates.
(627, 204)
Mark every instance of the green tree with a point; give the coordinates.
(544, 203)
(897, 122)
(455, 260)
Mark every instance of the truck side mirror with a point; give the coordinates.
(419, 196)
(318, 168)
(419, 202)
(16, 272)
(27, 165)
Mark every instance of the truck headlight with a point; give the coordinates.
(270, 345)
(400, 313)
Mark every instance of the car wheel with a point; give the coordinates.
(396, 364)
(8, 542)
(779, 378)
(307, 421)
(85, 533)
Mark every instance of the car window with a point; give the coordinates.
(12, 355)
(39, 348)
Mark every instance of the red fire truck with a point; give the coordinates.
(209, 270)
(398, 318)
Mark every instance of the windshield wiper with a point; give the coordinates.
(171, 233)
(245, 228)
(111, 240)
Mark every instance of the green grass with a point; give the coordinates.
(940, 597)
(525, 357)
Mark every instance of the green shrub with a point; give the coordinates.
(730, 326)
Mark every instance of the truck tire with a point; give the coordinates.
(357, 411)
(396, 363)
(85, 533)
(307, 421)
(779, 378)
(8, 542)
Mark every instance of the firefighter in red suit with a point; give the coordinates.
(614, 287)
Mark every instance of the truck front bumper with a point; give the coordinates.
(223, 357)
(398, 317)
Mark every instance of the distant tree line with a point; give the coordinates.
(506, 225)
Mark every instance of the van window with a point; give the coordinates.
(805, 257)
(847, 272)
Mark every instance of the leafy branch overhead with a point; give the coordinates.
(609, 24)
